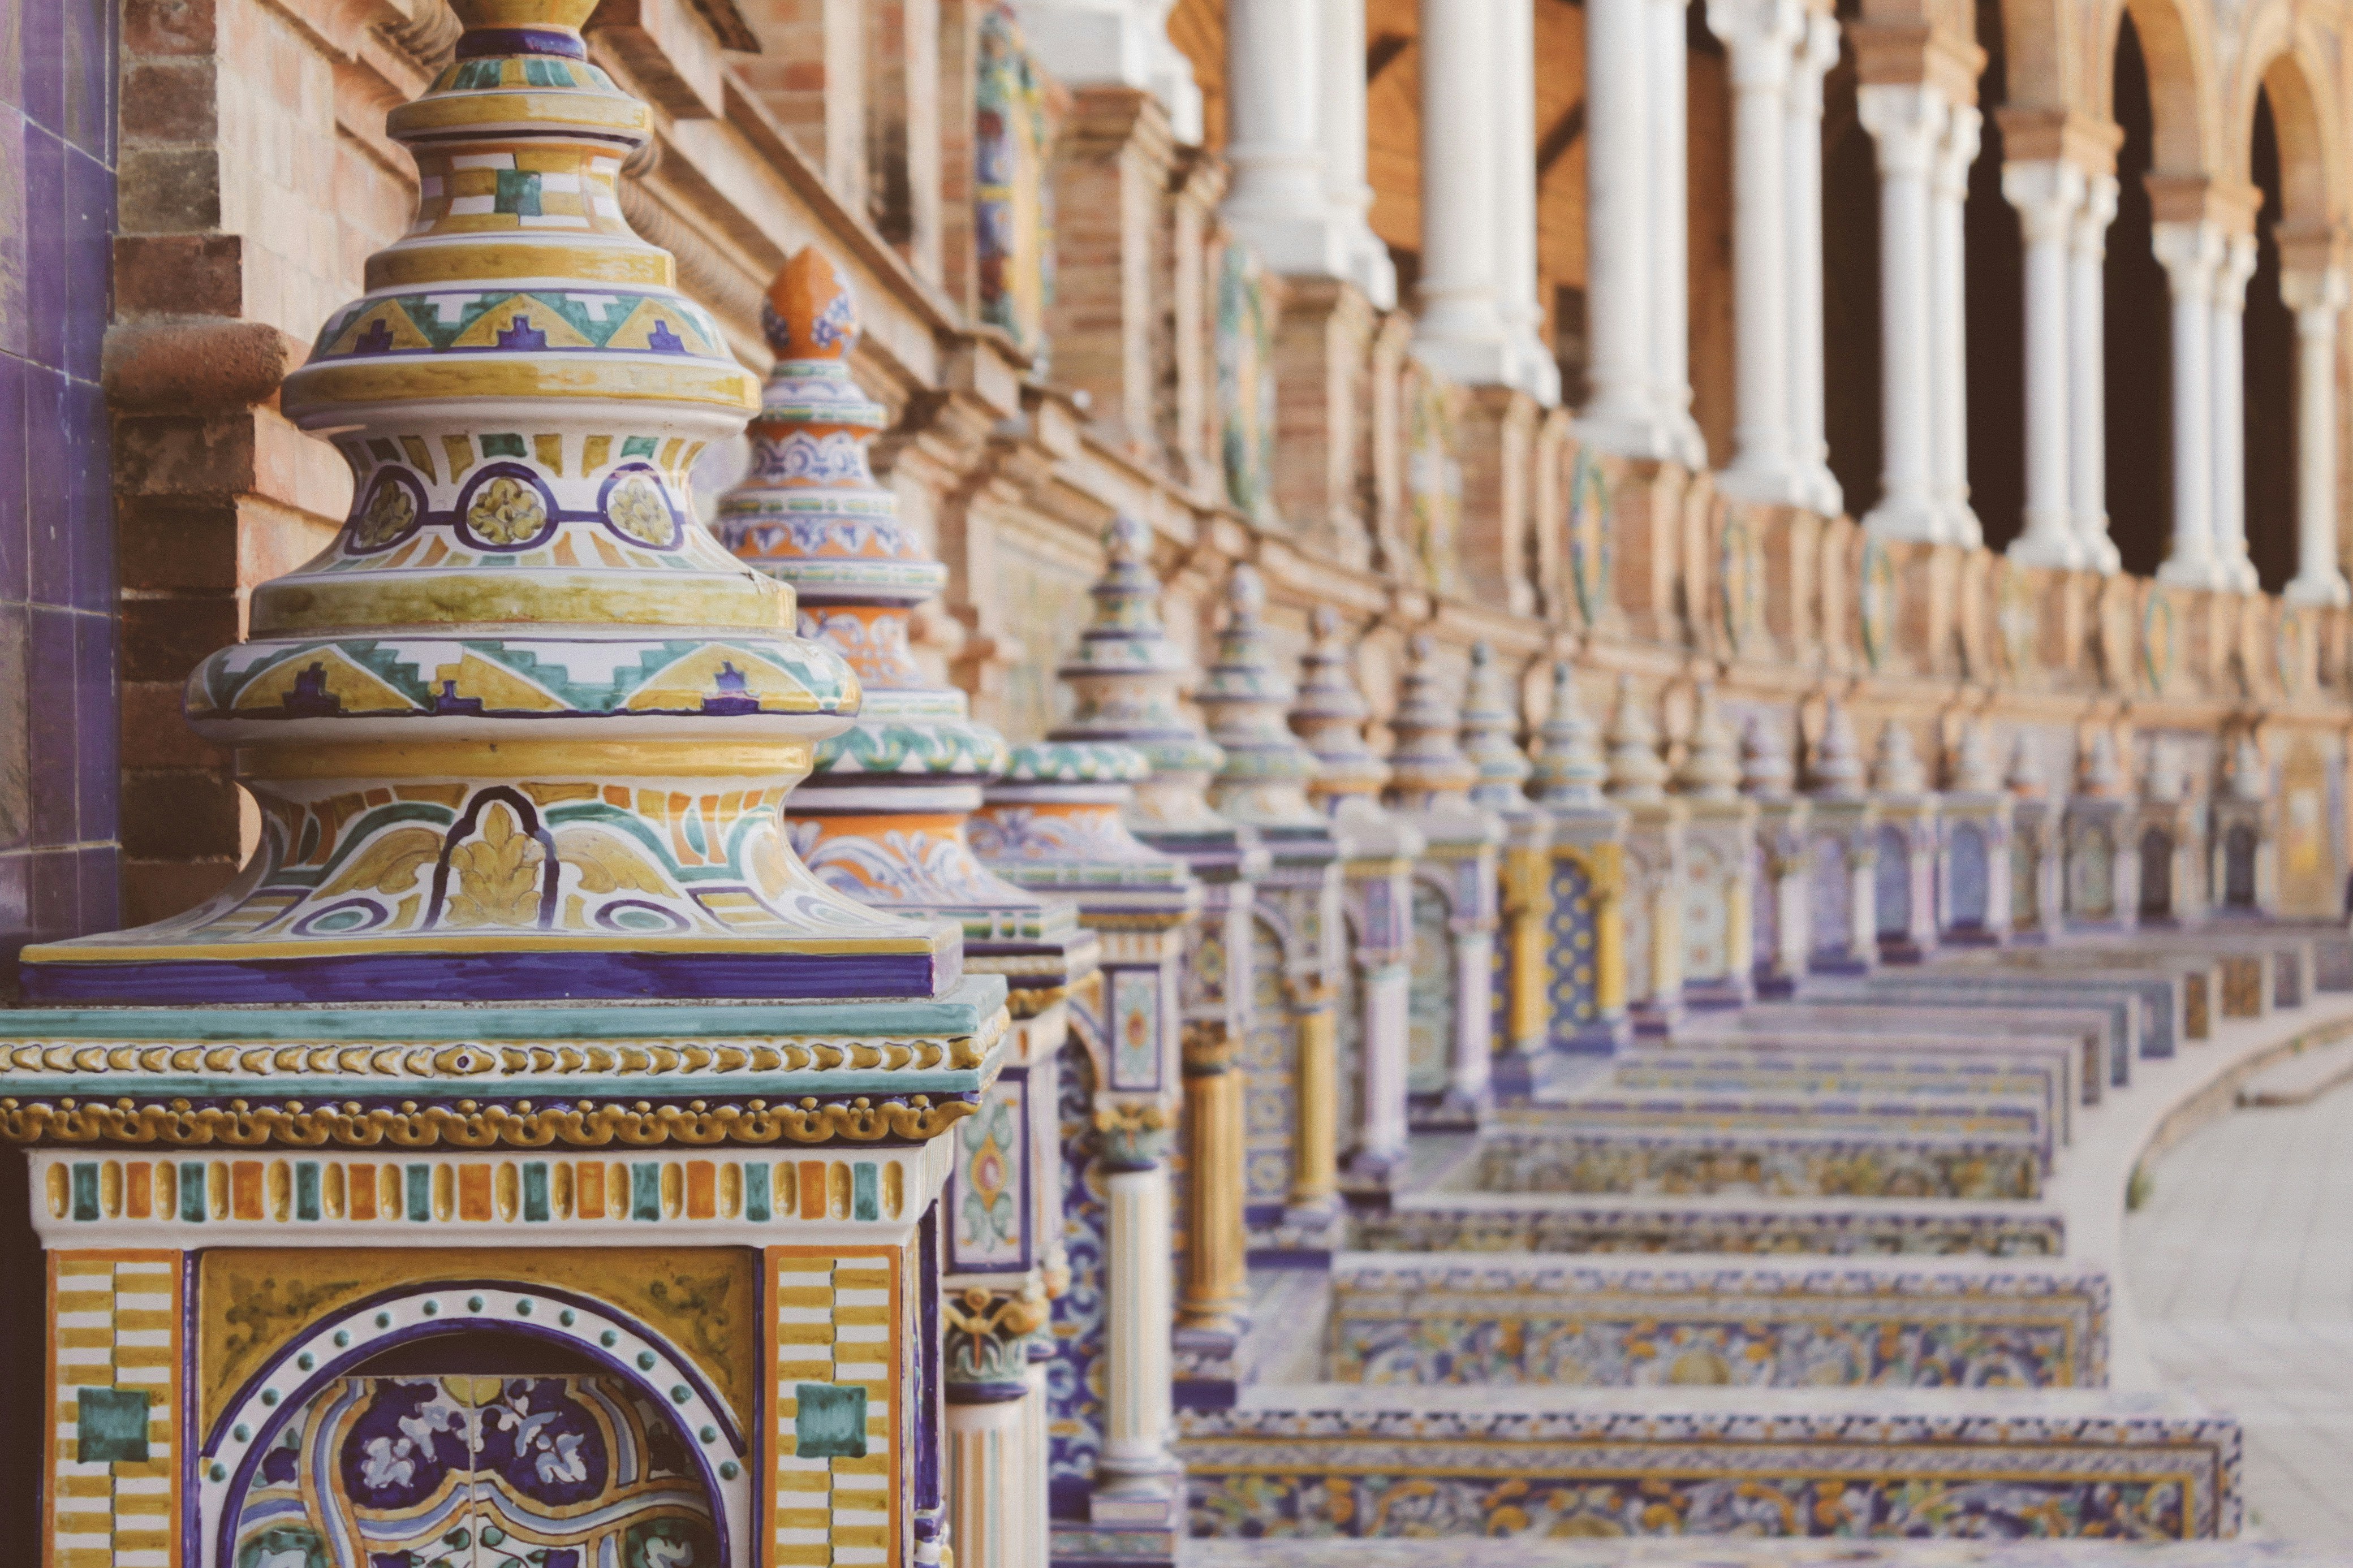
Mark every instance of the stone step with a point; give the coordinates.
(1879, 1020)
(1530, 1461)
(1730, 1223)
(2301, 1079)
(1758, 1322)
(2138, 1024)
(1792, 1161)
(1745, 1552)
(2196, 976)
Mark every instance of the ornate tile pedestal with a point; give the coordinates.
(1719, 866)
(2037, 883)
(2167, 837)
(1377, 852)
(1524, 978)
(1125, 674)
(1973, 872)
(2244, 858)
(1450, 1014)
(1904, 886)
(1653, 901)
(1842, 841)
(1054, 822)
(2102, 879)
(1584, 934)
(1781, 930)
(882, 820)
(1290, 1096)
(429, 1259)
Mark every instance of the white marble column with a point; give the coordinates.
(1947, 291)
(1761, 36)
(2318, 297)
(1622, 411)
(1341, 129)
(1801, 146)
(2087, 395)
(2047, 193)
(2227, 353)
(1085, 43)
(2192, 254)
(1135, 1466)
(1459, 329)
(1668, 210)
(1534, 370)
(1905, 121)
(1277, 200)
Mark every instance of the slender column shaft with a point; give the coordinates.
(1277, 200)
(1340, 127)
(1136, 1405)
(1669, 258)
(989, 1483)
(2088, 416)
(2048, 193)
(1905, 122)
(2318, 299)
(1760, 35)
(2192, 253)
(1621, 414)
(1533, 368)
(1216, 1267)
(1801, 149)
(1381, 1142)
(1314, 1161)
(1472, 1069)
(1949, 389)
(2227, 352)
(1461, 330)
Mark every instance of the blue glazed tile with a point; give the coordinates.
(57, 893)
(50, 724)
(15, 901)
(99, 740)
(89, 260)
(12, 448)
(41, 49)
(12, 230)
(87, 69)
(16, 742)
(101, 890)
(90, 505)
(48, 488)
(45, 246)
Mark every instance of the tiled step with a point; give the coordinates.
(2138, 1027)
(1827, 1071)
(1784, 1162)
(1364, 1460)
(1889, 1027)
(1675, 1551)
(1603, 1222)
(1757, 1322)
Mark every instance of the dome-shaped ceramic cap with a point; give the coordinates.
(1570, 767)
(1490, 734)
(1427, 759)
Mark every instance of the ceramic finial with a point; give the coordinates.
(1711, 769)
(1426, 763)
(2025, 774)
(2099, 774)
(1329, 716)
(809, 314)
(1245, 698)
(1491, 724)
(2249, 779)
(1636, 772)
(1767, 770)
(1838, 756)
(1896, 769)
(2166, 783)
(1570, 769)
(1973, 767)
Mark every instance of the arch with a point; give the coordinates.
(2303, 117)
(2180, 92)
(340, 1343)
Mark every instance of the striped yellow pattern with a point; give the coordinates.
(835, 1319)
(114, 1323)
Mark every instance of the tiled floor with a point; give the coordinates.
(2240, 1268)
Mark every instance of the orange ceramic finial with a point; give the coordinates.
(809, 313)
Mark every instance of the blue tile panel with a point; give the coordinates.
(58, 625)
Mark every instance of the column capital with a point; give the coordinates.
(1957, 148)
(1763, 37)
(2312, 248)
(2191, 253)
(2230, 205)
(1904, 121)
(2237, 265)
(1917, 54)
(2319, 292)
(2031, 135)
(2090, 237)
(2048, 193)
